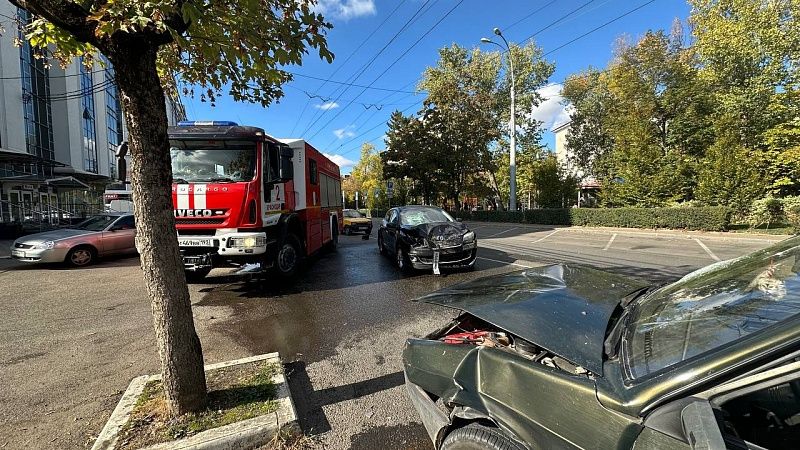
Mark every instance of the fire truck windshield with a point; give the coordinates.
(210, 164)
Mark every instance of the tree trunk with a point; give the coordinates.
(146, 116)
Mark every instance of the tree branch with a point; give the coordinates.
(64, 14)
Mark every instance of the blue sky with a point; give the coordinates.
(337, 119)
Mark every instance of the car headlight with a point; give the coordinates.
(46, 245)
(469, 236)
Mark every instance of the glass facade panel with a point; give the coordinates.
(113, 116)
(37, 111)
(88, 127)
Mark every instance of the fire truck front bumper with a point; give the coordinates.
(205, 252)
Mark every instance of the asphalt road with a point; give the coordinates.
(71, 340)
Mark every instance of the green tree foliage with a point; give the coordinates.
(748, 53)
(367, 177)
(715, 121)
(641, 125)
(451, 147)
(233, 46)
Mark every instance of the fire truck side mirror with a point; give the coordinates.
(286, 165)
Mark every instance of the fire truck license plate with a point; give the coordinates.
(195, 242)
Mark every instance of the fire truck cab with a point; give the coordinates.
(243, 198)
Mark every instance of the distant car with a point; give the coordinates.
(81, 244)
(567, 356)
(355, 222)
(426, 238)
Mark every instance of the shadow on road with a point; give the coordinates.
(309, 402)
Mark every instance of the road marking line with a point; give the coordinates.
(610, 241)
(505, 262)
(708, 250)
(540, 240)
(504, 231)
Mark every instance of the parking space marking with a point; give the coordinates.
(610, 241)
(502, 232)
(708, 250)
(540, 240)
(505, 262)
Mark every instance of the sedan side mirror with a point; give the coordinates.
(700, 427)
(458, 219)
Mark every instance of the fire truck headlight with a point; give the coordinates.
(246, 242)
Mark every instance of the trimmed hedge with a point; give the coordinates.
(707, 218)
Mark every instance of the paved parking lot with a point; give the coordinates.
(71, 340)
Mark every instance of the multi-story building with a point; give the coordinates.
(588, 187)
(59, 129)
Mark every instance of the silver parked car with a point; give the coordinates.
(81, 244)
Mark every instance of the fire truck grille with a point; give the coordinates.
(181, 221)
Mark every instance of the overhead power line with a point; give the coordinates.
(359, 72)
(555, 22)
(598, 27)
(447, 14)
(364, 41)
(350, 84)
(529, 15)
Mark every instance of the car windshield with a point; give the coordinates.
(96, 223)
(352, 214)
(418, 216)
(713, 307)
(214, 161)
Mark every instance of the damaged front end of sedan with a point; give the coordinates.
(444, 245)
(512, 357)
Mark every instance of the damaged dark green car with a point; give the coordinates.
(572, 357)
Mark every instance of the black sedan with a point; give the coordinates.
(426, 237)
(571, 357)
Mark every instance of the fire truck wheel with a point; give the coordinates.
(288, 257)
(334, 243)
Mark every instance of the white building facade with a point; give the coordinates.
(59, 129)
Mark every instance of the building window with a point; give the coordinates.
(113, 116)
(36, 108)
(88, 128)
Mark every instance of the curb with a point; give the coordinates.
(246, 434)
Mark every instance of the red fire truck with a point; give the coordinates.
(242, 198)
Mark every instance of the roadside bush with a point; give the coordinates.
(791, 211)
(767, 211)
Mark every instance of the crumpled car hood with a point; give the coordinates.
(439, 234)
(562, 308)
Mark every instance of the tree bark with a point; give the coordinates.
(145, 113)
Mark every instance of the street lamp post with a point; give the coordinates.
(513, 150)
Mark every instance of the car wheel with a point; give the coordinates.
(478, 437)
(196, 276)
(288, 258)
(81, 256)
(402, 261)
(347, 231)
(381, 248)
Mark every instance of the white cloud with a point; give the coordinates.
(551, 112)
(344, 133)
(340, 160)
(346, 9)
(327, 105)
